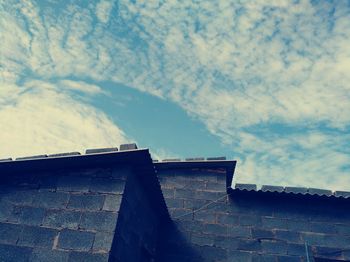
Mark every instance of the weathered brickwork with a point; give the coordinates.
(248, 226)
(60, 216)
(138, 226)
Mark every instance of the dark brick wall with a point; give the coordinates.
(138, 226)
(248, 226)
(60, 216)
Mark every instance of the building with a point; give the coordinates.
(119, 205)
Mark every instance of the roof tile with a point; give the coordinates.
(101, 150)
(31, 157)
(320, 192)
(128, 147)
(269, 188)
(216, 158)
(248, 187)
(344, 194)
(296, 190)
(64, 154)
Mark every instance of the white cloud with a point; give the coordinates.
(103, 10)
(236, 66)
(81, 86)
(45, 120)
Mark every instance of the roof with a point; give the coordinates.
(292, 190)
(129, 153)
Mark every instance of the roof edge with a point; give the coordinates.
(72, 161)
(228, 165)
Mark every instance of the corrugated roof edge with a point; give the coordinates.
(292, 190)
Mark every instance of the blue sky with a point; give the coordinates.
(263, 82)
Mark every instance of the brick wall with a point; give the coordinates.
(138, 225)
(248, 226)
(60, 216)
(91, 214)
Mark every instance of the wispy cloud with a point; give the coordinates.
(45, 120)
(270, 79)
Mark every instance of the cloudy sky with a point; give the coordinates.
(263, 82)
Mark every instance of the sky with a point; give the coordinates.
(264, 82)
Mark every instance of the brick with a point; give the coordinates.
(274, 247)
(289, 259)
(202, 240)
(87, 257)
(227, 219)
(48, 199)
(274, 223)
(62, 219)
(330, 253)
(19, 196)
(239, 231)
(219, 187)
(214, 229)
(112, 202)
(314, 238)
(5, 211)
(105, 185)
(326, 228)
(213, 253)
(195, 203)
(239, 256)
(205, 216)
(100, 221)
(298, 225)
(9, 233)
(75, 240)
(287, 235)
(174, 202)
(29, 215)
(250, 220)
(217, 207)
(103, 241)
(10, 253)
(264, 258)
(44, 255)
(184, 193)
(181, 213)
(262, 233)
(168, 193)
(342, 229)
(296, 249)
(73, 183)
(226, 242)
(86, 202)
(37, 237)
(249, 245)
(208, 195)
